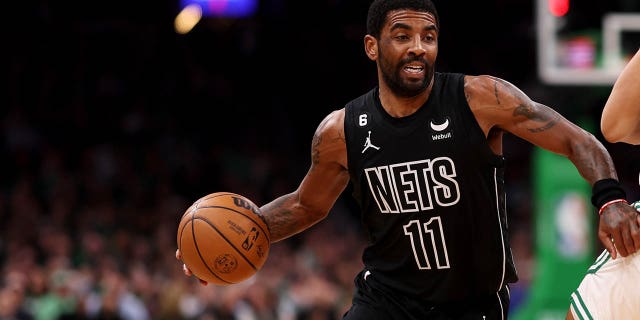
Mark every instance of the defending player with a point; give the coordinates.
(609, 290)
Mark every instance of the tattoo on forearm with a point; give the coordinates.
(282, 221)
(277, 218)
(549, 119)
(545, 127)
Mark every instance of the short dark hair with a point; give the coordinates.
(379, 9)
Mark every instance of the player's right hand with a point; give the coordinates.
(186, 269)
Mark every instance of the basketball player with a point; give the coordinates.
(609, 290)
(431, 192)
(621, 114)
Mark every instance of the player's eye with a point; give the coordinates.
(429, 38)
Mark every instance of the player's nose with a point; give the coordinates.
(417, 47)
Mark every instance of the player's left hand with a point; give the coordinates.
(619, 229)
(186, 269)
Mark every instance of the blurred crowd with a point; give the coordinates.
(112, 128)
(79, 246)
(114, 125)
(91, 234)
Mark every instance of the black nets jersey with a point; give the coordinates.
(432, 197)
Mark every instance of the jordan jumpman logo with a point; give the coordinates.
(368, 144)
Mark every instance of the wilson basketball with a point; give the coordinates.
(223, 238)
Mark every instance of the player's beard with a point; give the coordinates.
(403, 87)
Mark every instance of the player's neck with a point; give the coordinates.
(398, 106)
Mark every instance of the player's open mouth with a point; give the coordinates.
(414, 69)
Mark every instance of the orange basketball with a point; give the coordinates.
(223, 238)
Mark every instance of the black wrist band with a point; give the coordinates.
(606, 190)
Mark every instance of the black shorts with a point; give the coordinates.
(372, 304)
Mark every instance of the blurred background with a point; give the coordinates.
(118, 115)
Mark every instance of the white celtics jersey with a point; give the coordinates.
(610, 289)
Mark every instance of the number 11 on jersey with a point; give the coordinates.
(427, 240)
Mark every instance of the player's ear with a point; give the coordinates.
(371, 47)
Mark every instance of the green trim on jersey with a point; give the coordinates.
(577, 304)
(602, 259)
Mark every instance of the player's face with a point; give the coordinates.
(407, 51)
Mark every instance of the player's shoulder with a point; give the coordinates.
(480, 89)
(329, 143)
(333, 123)
(487, 87)
(336, 116)
(480, 82)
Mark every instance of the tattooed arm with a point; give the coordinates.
(500, 107)
(320, 188)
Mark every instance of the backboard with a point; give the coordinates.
(589, 56)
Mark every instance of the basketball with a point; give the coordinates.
(223, 238)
